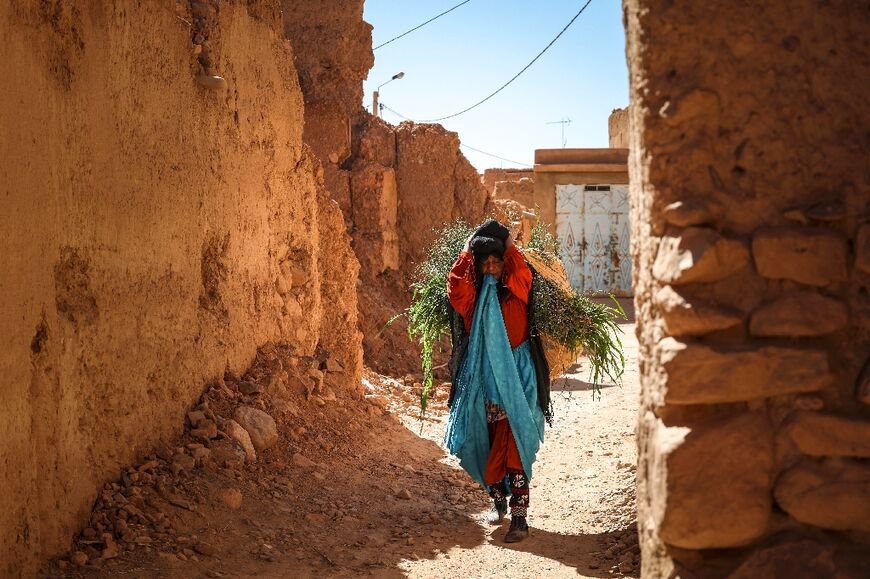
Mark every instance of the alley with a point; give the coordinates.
(357, 487)
(583, 500)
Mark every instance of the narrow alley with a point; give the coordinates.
(340, 497)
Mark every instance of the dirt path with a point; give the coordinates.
(582, 510)
(353, 489)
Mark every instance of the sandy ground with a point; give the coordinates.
(359, 486)
(582, 497)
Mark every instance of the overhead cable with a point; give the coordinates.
(421, 25)
(516, 76)
(401, 116)
(496, 156)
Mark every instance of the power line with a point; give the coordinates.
(421, 25)
(395, 112)
(400, 115)
(516, 76)
(491, 155)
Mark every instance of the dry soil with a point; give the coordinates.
(360, 486)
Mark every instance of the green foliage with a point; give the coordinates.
(571, 319)
(544, 242)
(427, 316)
(580, 324)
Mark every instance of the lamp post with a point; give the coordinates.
(377, 93)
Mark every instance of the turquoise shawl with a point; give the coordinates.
(492, 371)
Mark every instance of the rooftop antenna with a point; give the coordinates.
(563, 122)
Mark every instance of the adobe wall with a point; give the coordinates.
(617, 128)
(406, 181)
(154, 233)
(751, 243)
(521, 191)
(333, 48)
(493, 176)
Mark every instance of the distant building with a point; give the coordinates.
(584, 194)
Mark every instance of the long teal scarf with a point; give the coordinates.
(492, 371)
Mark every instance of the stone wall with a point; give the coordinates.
(751, 242)
(156, 230)
(617, 128)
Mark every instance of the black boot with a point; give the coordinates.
(518, 530)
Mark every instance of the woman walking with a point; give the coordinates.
(496, 424)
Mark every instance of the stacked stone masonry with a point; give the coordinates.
(751, 225)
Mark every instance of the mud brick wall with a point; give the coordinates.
(751, 242)
(617, 128)
(154, 234)
(333, 51)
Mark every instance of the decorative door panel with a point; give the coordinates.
(593, 231)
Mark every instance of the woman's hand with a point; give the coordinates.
(467, 246)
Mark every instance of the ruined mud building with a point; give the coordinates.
(157, 230)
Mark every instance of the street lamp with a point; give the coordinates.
(376, 93)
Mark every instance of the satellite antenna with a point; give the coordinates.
(563, 122)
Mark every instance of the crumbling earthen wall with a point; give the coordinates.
(493, 176)
(333, 48)
(617, 128)
(406, 181)
(751, 241)
(154, 233)
(522, 191)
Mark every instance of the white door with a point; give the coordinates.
(592, 228)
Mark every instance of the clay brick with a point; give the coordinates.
(799, 314)
(807, 255)
(698, 374)
(691, 212)
(832, 494)
(698, 254)
(829, 435)
(684, 318)
(718, 484)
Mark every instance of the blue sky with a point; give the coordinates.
(463, 56)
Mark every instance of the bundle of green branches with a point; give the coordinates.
(427, 316)
(571, 319)
(575, 321)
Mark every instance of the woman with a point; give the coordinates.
(496, 423)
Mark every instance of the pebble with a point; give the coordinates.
(250, 388)
(404, 494)
(231, 497)
(196, 417)
(79, 559)
(302, 461)
(212, 82)
(182, 463)
(206, 430)
(110, 551)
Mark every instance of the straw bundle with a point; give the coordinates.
(558, 356)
